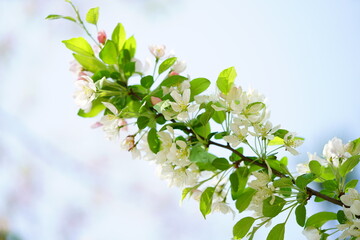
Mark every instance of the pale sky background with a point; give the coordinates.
(61, 180)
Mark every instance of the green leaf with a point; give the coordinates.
(300, 213)
(92, 15)
(165, 65)
(272, 207)
(147, 81)
(242, 227)
(277, 232)
(238, 180)
(341, 217)
(96, 108)
(197, 86)
(315, 167)
(255, 107)
(153, 141)
(172, 81)
(91, 64)
(221, 164)
(54, 16)
(348, 165)
(79, 45)
(303, 180)
(319, 219)
(276, 141)
(219, 116)
(330, 185)
(281, 133)
(351, 184)
(354, 147)
(185, 192)
(130, 45)
(109, 53)
(205, 117)
(142, 122)
(226, 80)
(206, 201)
(119, 36)
(244, 199)
(202, 158)
(203, 130)
(283, 182)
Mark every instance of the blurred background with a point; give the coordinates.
(62, 180)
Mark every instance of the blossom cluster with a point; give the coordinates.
(170, 122)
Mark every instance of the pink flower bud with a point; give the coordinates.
(173, 73)
(129, 142)
(155, 100)
(101, 37)
(123, 124)
(96, 125)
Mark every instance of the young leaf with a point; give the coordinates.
(79, 45)
(283, 182)
(153, 141)
(277, 232)
(219, 116)
(319, 219)
(197, 86)
(109, 53)
(341, 217)
(55, 16)
(300, 213)
(238, 180)
(276, 141)
(92, 15)
(242, 227)
(226, 80)
(147, 81)
(185, 192)
(315, 167)
(91, 64)
(272, 208)
(221, 164)
(130, 45)
(202, 158)
(354, 147)
(165, 65)
(244, 199)
(303, 180)
(142, 122)
(348, 165)
(351, 184)
(172, 80)
(119, 36)
(206, 201)
(96, 108)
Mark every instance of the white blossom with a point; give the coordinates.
(239, 135)
(157, 50)
(335, 151)
(111, 122)
(181, 106)
(311, 233)
(179, 66)
(351, 209)
(85, 93)
(263, 191)
(221, 206)
(302, 168)
(291, 142)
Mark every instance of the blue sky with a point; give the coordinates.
(303, 55)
